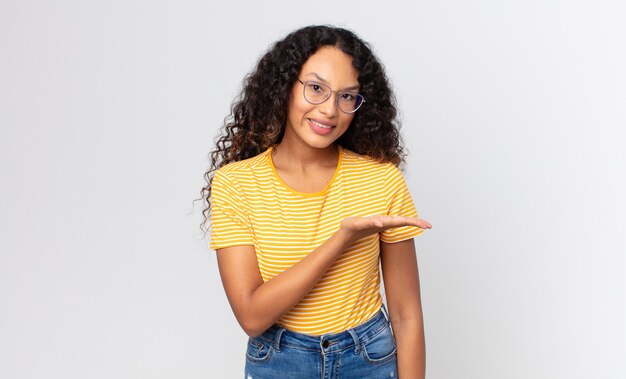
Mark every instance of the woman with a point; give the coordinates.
(306, 200)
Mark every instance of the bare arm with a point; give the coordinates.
(258, 305)
(402, 288)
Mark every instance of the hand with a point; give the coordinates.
(359, 227)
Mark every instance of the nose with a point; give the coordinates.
(329, 107)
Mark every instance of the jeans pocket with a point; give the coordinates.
(259, 350)
(381, 347)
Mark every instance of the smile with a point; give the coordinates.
(323, 126)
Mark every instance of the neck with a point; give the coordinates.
(287, 155)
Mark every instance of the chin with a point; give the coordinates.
(321, 142)
(316, 144)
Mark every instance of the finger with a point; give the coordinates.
(423, 224)
(378, 222)
(398, 221)
(405, 221)
(409, 221)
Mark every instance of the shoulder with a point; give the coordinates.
(234, 170)
(236, 177)
(363, 163)
(362, 168)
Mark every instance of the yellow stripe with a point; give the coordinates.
(252, 205)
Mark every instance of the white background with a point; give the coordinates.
(513, 112)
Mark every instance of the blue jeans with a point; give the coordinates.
(366, 351)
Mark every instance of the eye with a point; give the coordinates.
(316, 88)
(347, 96)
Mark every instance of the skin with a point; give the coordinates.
(306, 161)
(304, 157)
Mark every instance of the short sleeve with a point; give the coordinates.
(230, 224)
(399, 203)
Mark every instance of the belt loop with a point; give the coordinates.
(357, 342)
(279, 334)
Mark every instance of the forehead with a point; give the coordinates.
(333, 65)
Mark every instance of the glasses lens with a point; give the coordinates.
(316, 92)
(349, 102)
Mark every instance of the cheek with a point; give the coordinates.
(299, 107)
(347, 120)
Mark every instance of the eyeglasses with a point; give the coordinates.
(317, 93)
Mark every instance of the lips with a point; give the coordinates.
(320, 127)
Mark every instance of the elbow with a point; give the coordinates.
(251, 331)
(251, 319)
(252, 327)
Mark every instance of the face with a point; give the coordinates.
(320, 125)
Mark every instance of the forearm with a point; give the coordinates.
(258, 304)
(409, 334)
(401, 275)
(270, 301)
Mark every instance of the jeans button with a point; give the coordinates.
(325, 344)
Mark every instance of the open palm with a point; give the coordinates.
(363, 226)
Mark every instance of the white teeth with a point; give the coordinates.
(321, 125)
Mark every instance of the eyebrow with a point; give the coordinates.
(351, 88)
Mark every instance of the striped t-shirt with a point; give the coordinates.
(251, 205)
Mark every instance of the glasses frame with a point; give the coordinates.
(329, 95)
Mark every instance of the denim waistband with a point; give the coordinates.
(331, 342)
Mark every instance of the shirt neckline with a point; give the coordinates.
(305, 194)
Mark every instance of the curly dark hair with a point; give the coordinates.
(259, 113)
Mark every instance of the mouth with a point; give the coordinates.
(320, 128)
(320, 125)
